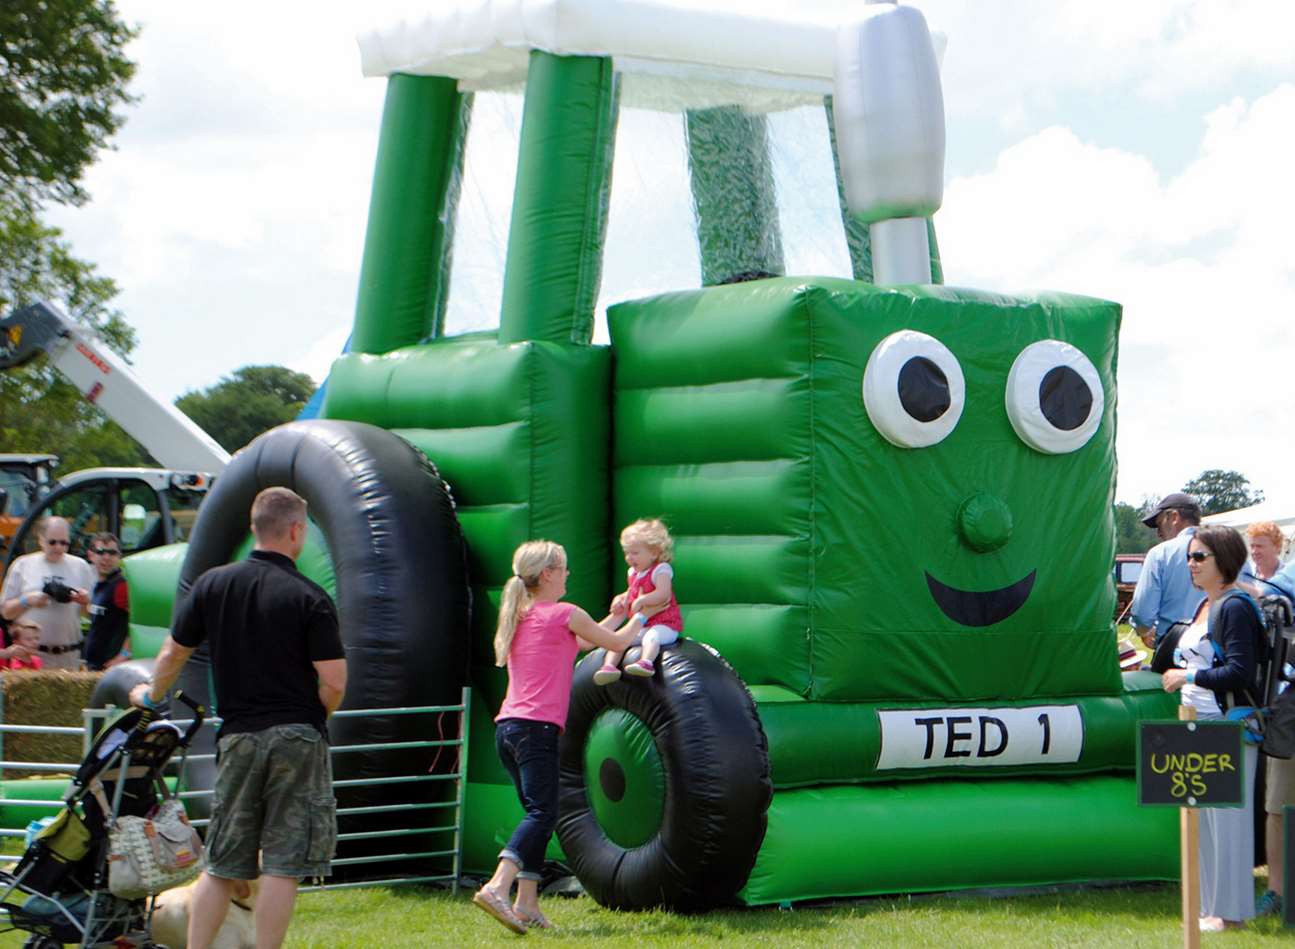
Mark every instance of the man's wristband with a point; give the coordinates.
(147, 699)
(22, 601)
(1191, 676)
(641, 617)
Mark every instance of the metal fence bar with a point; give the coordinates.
(394, 779)
(395, 746)
(413, 710)
(357, 884)
(42, 730)
(24, 802)
(390, 808)
(380, 858)
(57, 767)
(465, 722)
(403, 832)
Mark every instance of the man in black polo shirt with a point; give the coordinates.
(279, 671)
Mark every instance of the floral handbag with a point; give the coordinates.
(147, 855)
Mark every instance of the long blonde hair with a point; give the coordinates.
(529, 561)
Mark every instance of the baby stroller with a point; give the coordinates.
(58, 891)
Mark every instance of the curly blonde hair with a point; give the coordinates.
(1267, 529)
(653, 534)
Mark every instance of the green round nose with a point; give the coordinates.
(985, 522)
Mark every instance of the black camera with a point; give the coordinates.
(57, 590)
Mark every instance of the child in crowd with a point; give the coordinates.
(26, 640)
(648, 550)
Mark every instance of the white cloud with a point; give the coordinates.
(1201, 263)
(1009, 54)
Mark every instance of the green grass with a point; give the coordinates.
(1117, 917)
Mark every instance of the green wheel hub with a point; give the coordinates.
(625, 777)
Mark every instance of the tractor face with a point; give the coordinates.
(880, 494)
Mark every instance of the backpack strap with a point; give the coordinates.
(1261, 650)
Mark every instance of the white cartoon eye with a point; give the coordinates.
(1054, 397)
(913, 389)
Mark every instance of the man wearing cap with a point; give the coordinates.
(1165, 594)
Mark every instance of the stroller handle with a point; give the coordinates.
(199, 715)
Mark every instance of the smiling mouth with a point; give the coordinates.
(980, 609)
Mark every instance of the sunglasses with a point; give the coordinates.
(1200, 556)
(57, 543)
(108, 551)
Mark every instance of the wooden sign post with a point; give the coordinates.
(1190, 764)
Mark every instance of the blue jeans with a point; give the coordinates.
(529, 752)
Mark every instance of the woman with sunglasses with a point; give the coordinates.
(1217, 678)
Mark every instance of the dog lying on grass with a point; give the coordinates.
(238, 931)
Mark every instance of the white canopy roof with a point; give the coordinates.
(485, 43)
(1245, 516)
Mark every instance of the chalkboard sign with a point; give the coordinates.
(1190, 764)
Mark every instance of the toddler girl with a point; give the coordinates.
(648, 550)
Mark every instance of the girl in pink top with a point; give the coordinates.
(537, 638)
(648, 551)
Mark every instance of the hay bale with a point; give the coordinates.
(44, 697)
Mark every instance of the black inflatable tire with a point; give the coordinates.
(115, 685)
(716, 761)
(399, 558)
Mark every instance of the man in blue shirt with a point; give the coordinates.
(1165, 594)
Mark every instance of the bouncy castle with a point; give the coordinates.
(647, 258)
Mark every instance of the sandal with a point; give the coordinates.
(606, 675)
(499, 908)
(538, 921)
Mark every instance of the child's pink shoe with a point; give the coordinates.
(643, 668)
(607, 675)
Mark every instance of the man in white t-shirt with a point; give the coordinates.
(24, 594)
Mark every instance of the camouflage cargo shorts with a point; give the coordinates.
(273, 799)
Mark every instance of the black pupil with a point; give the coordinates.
(1065, 398)
(923, 389)
(612, 778)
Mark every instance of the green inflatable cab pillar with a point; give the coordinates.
(560, 200)
(404, 272)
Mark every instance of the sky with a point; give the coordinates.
(1139, 153)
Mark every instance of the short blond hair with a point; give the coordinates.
(651, 533)
(1267, 529)
(275, 510)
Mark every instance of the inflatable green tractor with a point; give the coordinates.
(891, 499)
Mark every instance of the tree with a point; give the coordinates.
(1131, 535)
(1220, 490)
(250, 401)
(39, 410)
(62, 73)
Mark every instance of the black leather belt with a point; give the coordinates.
(59, 650)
